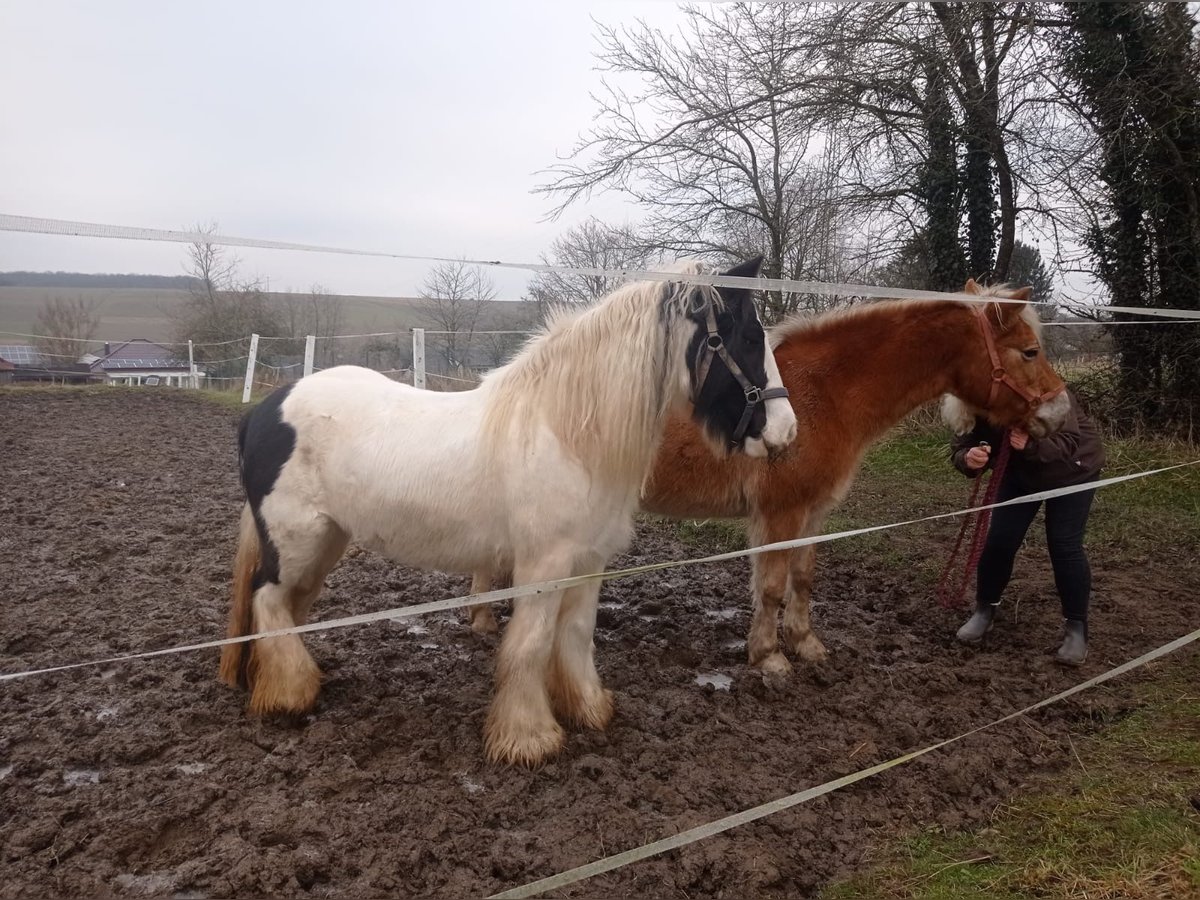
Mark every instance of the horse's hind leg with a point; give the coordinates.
(283, 676)
(575, 688)
(797, 628)
(480, 616)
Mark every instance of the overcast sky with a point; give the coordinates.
(413, 128)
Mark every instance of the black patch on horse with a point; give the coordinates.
(721, 401)
(265, 443)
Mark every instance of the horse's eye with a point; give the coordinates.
(1031, 353)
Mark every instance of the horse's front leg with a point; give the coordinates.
(480, 617)
(797, 628)
(521, 728)
(769, 582)
(575, 688)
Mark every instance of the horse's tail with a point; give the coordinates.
(235, 658)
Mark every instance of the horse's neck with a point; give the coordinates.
(880, 365)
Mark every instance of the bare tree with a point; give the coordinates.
(318, 313)
(221, 306)
(591, 244)
(795, 126)
(63, 326)
(708, 145)
(452, 298)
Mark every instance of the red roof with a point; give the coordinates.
(6, 366)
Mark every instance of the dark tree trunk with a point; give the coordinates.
(939, 188)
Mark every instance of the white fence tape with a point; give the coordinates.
(543, 587)
(699, 833)
(34, 225)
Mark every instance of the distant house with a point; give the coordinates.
(139, 362)
(6, 371)
(31, 365)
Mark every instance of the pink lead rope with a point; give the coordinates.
(952, 598)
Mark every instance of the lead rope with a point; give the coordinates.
(952, 598)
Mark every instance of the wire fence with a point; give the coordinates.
(1085, 351)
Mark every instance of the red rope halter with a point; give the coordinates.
(951, 596)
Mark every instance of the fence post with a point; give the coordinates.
(192, 366)
(310, 346)
(419, 358)
(250, 368)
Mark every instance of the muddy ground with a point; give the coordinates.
(117, 520)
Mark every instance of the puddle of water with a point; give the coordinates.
(428, 646)
(106, 713)
(76, 777)
(723, 614)
(5, 771)
(153, 883)
(417, 629)
(716, 679)
(472, 787)
(191, 768)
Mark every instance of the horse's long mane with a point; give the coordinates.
(600, 378)
(808, 324)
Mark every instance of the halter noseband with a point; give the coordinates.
(712, 346)
(1000, 374)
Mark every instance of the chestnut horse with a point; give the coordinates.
(851, 376)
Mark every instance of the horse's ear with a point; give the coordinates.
(1021, 294)
(971, 287)
(748, 269)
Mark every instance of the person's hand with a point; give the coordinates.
(1018, 438)
(977, 457)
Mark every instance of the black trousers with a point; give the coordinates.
(1066, 521)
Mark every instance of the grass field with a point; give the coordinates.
(1124, 822)
(149, 312)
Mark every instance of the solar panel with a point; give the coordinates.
(143, 364)
(21, 355)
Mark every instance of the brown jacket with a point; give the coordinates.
(1072, 455)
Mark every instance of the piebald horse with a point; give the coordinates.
(851, 375)
(537, 471)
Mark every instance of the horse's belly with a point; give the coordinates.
(697, 500)
(429, 543)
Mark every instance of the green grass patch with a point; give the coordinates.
(712, 536)
(1123, 823)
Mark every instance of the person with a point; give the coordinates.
(1073, 455)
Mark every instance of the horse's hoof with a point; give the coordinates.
(484, 623)
(596, 714)
(775, 664)
(531, 749)
(593, 708)
(810, 649)
(292, 698)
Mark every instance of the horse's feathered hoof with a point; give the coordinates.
(510, 746)
(774, 664)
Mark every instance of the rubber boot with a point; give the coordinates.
(978, 625)
(1074, 646)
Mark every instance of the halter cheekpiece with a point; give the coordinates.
(712, 346)
(1000, 374)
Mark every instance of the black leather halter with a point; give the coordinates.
(714, 345)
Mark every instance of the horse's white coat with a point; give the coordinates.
(537, 471)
